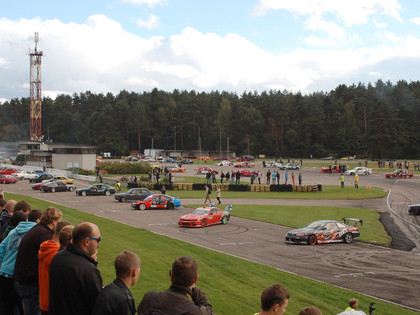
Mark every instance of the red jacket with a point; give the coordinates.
(47, 251)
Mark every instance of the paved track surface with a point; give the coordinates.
(385, 273)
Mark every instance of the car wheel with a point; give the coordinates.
(4, 182)
(203, 223)
(171, 206)
(142, 206)
(83, 193)
(348, 238)
(71, 188)
(406, 176)
(224, 220)
(107, 193)
(52, 189)
(391, 176)
(123, 199)
(312, 240)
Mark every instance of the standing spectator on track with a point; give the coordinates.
(300, 178)
(293, 178)
(208, 193)
(227, 177)
(274, 300)
(163, 190)
(356, 181)
(238, 177)
(286, 177)
(218, 194)
(116, 297)
(268, 176)
(259, 177)
(342, 180)
(222, 176)
(232, 178)
(208, 176)
(278, 177)
(183, 297)
(273, 175)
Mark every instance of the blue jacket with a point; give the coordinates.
(9, 247)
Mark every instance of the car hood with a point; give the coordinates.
(191, 216)
(301, 231)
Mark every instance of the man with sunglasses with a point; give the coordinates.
(75, 282)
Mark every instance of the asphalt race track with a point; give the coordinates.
(385, 273)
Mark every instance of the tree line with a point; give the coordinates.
(377, 121)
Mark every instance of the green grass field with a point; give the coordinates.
(233, 285)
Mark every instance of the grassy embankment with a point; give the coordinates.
(233, 285)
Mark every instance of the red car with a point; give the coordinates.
(38, 186)
(399, 174)
(246, 173)
(334, 169)
(8, 179)
(205, 170)
(204, 216)
(8, 171)
(154, 202)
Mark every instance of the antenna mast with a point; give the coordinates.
(35, 85)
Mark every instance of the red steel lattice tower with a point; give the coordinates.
(35, 81)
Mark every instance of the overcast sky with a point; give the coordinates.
(205, 45)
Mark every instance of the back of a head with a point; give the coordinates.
(2, 203)
(310, 311)
(60, 225)
(17, 217)
(125, 262)
(81, 231)
(274, 294)
(10, 206)
(65, 235)
(34, 215)
(184, 271)
(50, 214)
(22, 206)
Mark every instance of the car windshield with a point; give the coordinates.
(201, 211)
(149, 197)
(315, 225)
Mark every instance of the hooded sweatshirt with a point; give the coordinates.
(47, 251)
(9, 247)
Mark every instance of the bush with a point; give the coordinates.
(125, 167)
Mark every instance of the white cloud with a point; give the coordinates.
(149, 3)
(415, 20)
(102, 57)
(151, 23)
(355, 12)
(333, 30)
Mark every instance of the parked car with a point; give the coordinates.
(96, 189)
(57, 186)
(273, 164)
(399, 174)
(290, 166)
(37, 186)
(205, 216)
(8, 179)
(244, 164)
(223, 163)
(41, 177)
(156, 201)
(205, 170)
(245, 172)
(359, 171)
(8, 170)
(133, 194)
(328, 158)
(64, 179)
(186, 161)
(325, 231)
(25, 175)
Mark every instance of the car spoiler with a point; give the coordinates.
(348, 220)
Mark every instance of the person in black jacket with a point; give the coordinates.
(75, 282)
(183, 297)
(116, 297)
(25, 275)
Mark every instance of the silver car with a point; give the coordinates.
(361, 170)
